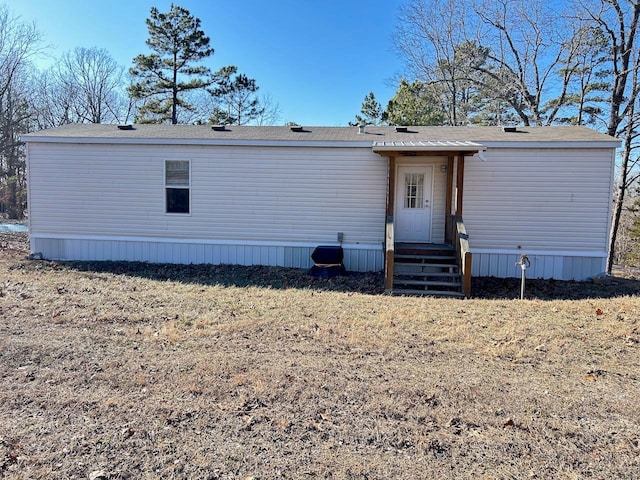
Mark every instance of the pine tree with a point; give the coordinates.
(178, 44)
(371, 111)
(414, 104)
(235, 94)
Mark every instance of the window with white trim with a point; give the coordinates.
(177, 183)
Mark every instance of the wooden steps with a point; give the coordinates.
(426, 270)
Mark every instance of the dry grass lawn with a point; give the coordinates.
(139, 371)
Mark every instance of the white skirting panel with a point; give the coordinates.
(357, 258)
(560, 267)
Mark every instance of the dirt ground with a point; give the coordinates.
(137, 371)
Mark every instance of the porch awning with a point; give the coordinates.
(459, 147)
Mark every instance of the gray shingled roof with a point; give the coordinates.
(379, 135)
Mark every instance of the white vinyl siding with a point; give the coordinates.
(539, 200)
(274, 194)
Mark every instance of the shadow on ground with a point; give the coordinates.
(366, 283)
(238, 276)
(606, 287)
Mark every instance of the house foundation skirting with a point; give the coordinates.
(545, 265)
(357, 258)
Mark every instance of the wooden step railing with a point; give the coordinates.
(389, 253)
(460, 239)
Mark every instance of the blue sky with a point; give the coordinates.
(316, 58)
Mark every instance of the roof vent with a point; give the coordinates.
(297, 128)
(125, 127)
(361, 129)
(402, 129)
(218, 128)
(509, 129)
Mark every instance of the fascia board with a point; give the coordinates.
(309, 143)
(568, 144)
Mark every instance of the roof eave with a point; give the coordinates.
(556, 144)
(198, 141)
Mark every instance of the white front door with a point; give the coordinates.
(413, 203)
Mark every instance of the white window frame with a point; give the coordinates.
(176, 186)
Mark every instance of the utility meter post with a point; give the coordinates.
(524, 263)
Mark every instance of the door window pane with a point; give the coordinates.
(413, 190)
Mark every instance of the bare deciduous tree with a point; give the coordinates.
(85, 86)
(527, 47)
(270, 111)
(428, 38)
(97, 81)
(619, 21)
(52, 102)
(19, 43)
(503, 57)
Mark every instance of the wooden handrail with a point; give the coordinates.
(389, 249)
(463, 253)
